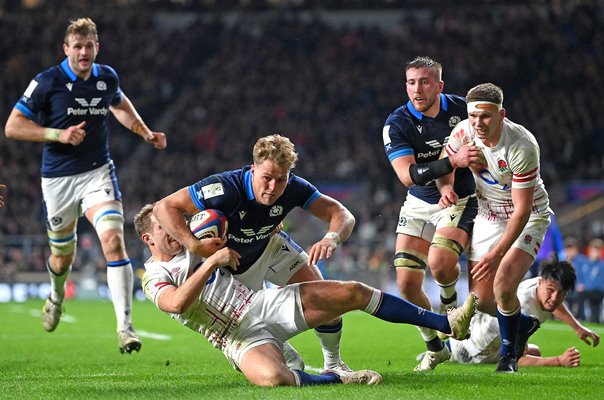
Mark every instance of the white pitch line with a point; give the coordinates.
(72, 320)
(153, 335)
(312, 369)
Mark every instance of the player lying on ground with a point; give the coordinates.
(542, 297)
(251, 326)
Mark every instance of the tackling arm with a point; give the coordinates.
(421, 174)
(179, 299)
(410, 173)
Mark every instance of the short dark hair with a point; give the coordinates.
(485, 92)
(428, 63)
(561, 271)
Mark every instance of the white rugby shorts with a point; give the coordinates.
(275, 316)
(486, 234)
(66, 198)
(421, 219)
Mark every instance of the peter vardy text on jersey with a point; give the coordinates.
(248, 240)
(87, 111)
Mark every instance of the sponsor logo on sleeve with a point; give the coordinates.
(212, 190)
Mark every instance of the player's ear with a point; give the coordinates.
(147, 239)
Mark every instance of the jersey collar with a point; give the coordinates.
(69, 72)
(444, 105)
(247, 179)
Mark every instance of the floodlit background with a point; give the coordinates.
(216, 75)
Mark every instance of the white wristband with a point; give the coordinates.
(52, 134)
(333, 235)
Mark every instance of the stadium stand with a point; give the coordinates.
(217, 77)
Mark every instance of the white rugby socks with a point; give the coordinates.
(120, 279)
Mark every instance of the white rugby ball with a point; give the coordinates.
(209, 224)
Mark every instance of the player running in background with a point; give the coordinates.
(428, 236)
(250, 326)
(513, 212)
(66, 107)
(256, 199)
(542, 296)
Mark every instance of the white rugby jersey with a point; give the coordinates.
(512, 163)
(527, 294)
(220, 307)
(484, 343)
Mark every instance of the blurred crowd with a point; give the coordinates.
(215, 82)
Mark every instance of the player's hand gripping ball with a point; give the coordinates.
(209, 224)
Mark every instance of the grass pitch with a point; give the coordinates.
(80, 360)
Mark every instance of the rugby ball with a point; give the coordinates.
(209, 224)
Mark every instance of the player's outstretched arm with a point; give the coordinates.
(127, 115)
(585, 334)
(570, 358)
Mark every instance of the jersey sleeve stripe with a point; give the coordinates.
(312, 198)
(192, 193)
(450, 151)
(400, 153)
(531, 172)
(526, 179)
(28, 113)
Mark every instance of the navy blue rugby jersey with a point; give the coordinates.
(409, 132)
(57, 98)
(250, 223)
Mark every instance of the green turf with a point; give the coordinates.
(80, 360)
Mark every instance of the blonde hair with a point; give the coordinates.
(81, 27)
(275, 148)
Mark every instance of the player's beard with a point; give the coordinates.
(425, 105)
